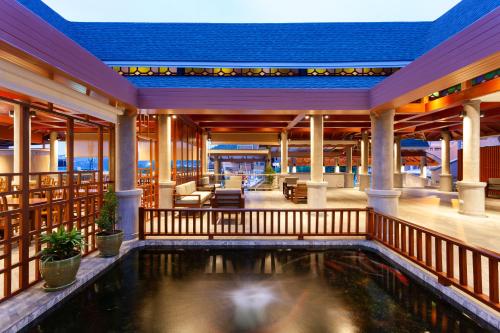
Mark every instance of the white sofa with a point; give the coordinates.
(186, 195)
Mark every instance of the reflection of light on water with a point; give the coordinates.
(250, 305)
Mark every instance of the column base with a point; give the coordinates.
(348, 180)
(316, 194)
(423, 181)
(471, 199)
(384, 201)
(128, 212)
(166, 194)
(446, 183)
(398, 180)
(364, 182)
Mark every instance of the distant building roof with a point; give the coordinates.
(414, 144)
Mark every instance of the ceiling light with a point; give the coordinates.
(481, 114)
(307, 117)
(327, 116)
(462, 114)
(11, 113)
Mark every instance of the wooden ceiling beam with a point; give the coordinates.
(295, 121)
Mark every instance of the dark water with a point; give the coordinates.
(254, 291)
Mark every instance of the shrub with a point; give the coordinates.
(107, 217)
(62, 244)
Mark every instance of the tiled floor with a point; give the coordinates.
(426, 207)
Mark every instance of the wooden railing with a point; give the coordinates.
(451, 260)
(48, 201)
(252, 222)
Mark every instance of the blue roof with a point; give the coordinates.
(251, 44)
(259, 43)
(304, 82)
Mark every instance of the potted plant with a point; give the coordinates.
(109, 239)
(60, 260)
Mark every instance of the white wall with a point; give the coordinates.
(40, 160)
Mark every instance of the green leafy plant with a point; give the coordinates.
(62, 244)
(107, 217)
(269, 172)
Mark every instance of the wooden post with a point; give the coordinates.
(70, 169)
(100, 162)
(141, 223)
(24, 162)
(174, 150)
(112, 155)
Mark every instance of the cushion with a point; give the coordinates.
(204, 181)
(227, 190)
(191, 186)
(204, 195)
(182, 189)
(494, 181)
(233, 183)
(188, 200)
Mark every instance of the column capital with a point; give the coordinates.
(472, 102)
(446, 134)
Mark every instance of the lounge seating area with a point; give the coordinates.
(187, 195)
(493, 186)
(295, 190)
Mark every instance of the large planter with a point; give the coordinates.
(109, 245)
(60, 274)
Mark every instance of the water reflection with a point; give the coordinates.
(255, 291)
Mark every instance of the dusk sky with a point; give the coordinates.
(254, 11)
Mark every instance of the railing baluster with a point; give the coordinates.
(450, 262)
(493, 279)
(419, 245)
(462, 265)
(439, 254)
(477, 273)
(428, 249)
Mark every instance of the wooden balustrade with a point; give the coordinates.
(252, 222)
(51, 201)
(451, 260)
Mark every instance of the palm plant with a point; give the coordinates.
(62, 244)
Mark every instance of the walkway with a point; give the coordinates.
(426, 207)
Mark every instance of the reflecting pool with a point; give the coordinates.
(195, 291)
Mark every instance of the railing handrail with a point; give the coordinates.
(231, 209)
(455, 241)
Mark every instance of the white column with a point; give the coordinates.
(17, 141)
(423, 170)
(348, 175)
(446, 180)
(364, 178)
(283, 158)
(204, 153)
(398, 176)
(284, 152)
(381, 196)
(316, 188)
(166, 185)
(470, 189)
(54, 153)
(129, 197)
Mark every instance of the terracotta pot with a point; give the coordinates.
(109, 245)
(60, 274)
